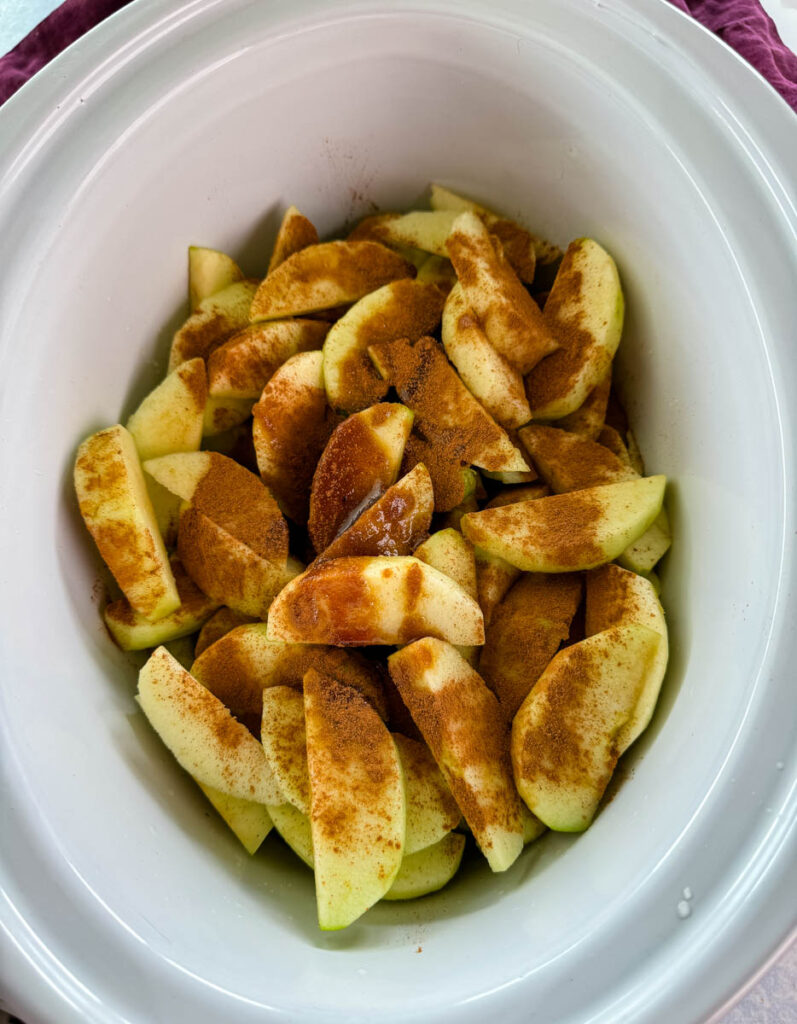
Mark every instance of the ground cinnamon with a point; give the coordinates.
(296, 233)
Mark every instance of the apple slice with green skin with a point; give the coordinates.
(447, 414)
(569, 462)
(494, 577)
(222, 414)
(214, 320)
(202, 734)
(643, 554)
(295, 233)
(584, 312)
(634, 453)
(244, 662)
(226, 568)
(437, 270)
(401, 309)
(432, 812)
(464, 727)
(229, 495)
(292, 425)
(450, 553)
(395, 524)
(209, 272)
(617, 597)
(248, 820)
(294, 827)
(117, 510)
(360, 461)
(568, 532)
(223, 621)
(589, 418)
(525, 632)
(509, 316)
(367, 601)
(133, 632)
(533, 828)
(246, 362)
(485, 372)
(170, 418)
(564, 737)
(322, 276)
(428, 870)
(357, 805)
(419, 229)
(283, 737)
(611, 438)
(524, 492)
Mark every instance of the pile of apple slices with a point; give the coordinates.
(387, 529)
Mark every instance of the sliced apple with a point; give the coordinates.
(464, 727)
(584, 312)
(533, 828)
(452, 520)
(570, 462)
(249, 821)
(428, 870)
(568, 532)
(218, 625)
(357, 805)
(117, 510)
(366, 601)
(395, 524)
(360, 461)
(214, 320)
(326, 275)
(452, 482)
(525, 632)
(437, 270)
(222, 414)
(294, 827)
(647, 551)
(170, 418)
(282, 734)
(564, 737)
(447, 413)
(202, 734)
(485, 372)
(243, 663)
(244, 364)
(511, 319)
(401, 309)
(292, 425)
(617, 597)
(432, 812)
(589, 418)
(295, 233)
(229, 495)
(449, 552)
(419, 229)
(209, 272)
(494, 577)
(133, 632)
(523, 492)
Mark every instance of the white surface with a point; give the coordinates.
(125, 901)
(784, 14)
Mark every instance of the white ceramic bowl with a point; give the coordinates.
(126, 900)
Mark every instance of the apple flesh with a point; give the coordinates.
(117, 510)
(449, 552)
(365, 601)
(418, 229)
(643, 554)
(170, 418)
(295, 233)
(294, 827)
(218, 625)
(214, 320)
(248, 820)
(284, 742)
(564, 737)
(522, 492)
(589, 418)
(432, 812)
(570, 462)
(568, 532)
(209, 272)
(437, 270)
(427, 870)
(494, 577)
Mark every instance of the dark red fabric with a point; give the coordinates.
(743, 24)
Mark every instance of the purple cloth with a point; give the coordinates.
(743, 24)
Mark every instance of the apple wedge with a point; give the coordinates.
(449, 552)
(617, 597)
(243, 663)
(222, 414)
(322, 276)
(248, 820)
(464, 727)
(360, 461)
(489, 377)
(564, 737)
(170, 418)
(437, 270)
(133, 632)
(432, 812)
(401, 309)
(230, 496)
(202, 734)
(294, 827)
(295, 233)
(284, 742)
(214, 320)
(452, 482)
(117, 511)
(292, 425)
(509, 316)
(427, 870)
(584, 312)
(589, 418)
(612, 439)
(523, 492)
(366, 601)
(394, 525)
(494, 577)
(418, 229)
(223, 621)
(570, 462)
(357, 806)
(525, 632)
(246, 362)
(643, 554)
(209, 272)
(447, 414)
(568, 532)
